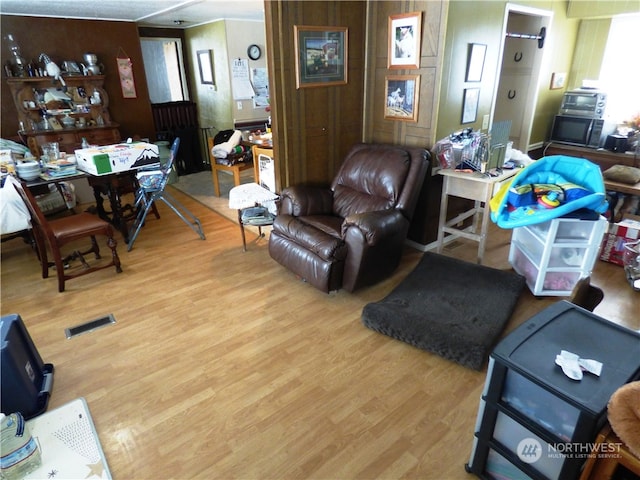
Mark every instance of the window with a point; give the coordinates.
(620, 68)
(164, 69)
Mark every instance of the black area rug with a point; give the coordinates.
(449, 307)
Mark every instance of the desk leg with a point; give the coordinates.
(244, 240)
(216, 181)
(485, 223)
(443, 214)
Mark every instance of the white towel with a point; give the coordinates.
(223, 149)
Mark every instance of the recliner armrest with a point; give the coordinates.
(375, 226)
(304, 200)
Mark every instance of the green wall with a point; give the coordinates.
(469, 24)
(216, 105)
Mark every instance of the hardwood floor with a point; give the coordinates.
(221, 364)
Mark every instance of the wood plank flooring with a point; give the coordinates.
(223, 365)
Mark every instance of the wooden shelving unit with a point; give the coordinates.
(92, 118)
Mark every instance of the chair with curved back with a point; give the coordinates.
(152, 188)
(59, 232)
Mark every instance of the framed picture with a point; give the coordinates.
(475, 63)
(470, 105)
(321, 56)
(205, 66)
(402, 93)
(405, 33)
(557, 80)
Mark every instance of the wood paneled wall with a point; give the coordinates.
(68, 39)
(434, 20)
(314, 127)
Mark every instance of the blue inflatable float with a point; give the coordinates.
(549, 188)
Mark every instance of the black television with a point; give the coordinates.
(25, 380)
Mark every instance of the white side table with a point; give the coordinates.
(472, 186)
(250, 195)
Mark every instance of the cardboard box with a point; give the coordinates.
(117, 158)
(627, 230)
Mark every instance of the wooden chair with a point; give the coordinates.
(586, 295)
(217, 167)
(611, 453)
(61, 231)
(268, 183)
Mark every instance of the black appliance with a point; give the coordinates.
(25, 380)
(580, 131)
(616, 143)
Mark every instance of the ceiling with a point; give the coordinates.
(147, 13)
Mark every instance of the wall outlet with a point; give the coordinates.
(239, 105)
(485, 122)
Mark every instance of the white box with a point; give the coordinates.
(117, 158)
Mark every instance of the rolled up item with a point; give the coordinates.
(223, 149)
(623, 412)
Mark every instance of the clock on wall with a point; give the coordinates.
(254, 52)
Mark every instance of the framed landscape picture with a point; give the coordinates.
(321, 55)
(402, 93)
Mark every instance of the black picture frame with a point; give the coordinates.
(205, 66)
(470, 105)
(475, 63)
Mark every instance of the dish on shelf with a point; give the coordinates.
(29, 170)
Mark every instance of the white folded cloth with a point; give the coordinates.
(223, 149)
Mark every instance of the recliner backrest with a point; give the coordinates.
(373, 177)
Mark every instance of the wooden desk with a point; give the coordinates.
(605, 159)
(472, 186)
(217, 167)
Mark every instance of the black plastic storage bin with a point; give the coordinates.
(26, 381)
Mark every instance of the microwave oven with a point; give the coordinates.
(583, 102)
(580, 131)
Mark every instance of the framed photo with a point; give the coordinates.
(405, 33)
(557, 80)
(321, 56)
(475, 63)
(205, 66)
(402, 93)
(470, 105)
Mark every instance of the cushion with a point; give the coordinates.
(623, 174)
(623, 413)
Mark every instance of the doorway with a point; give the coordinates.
(522, 51)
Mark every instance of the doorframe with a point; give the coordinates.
(529, 112)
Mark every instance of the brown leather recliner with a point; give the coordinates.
(351, 234)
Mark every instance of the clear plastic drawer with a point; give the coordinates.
(529, 447)
(541, 406)
(500, 468)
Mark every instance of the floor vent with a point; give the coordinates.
(90, 326)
